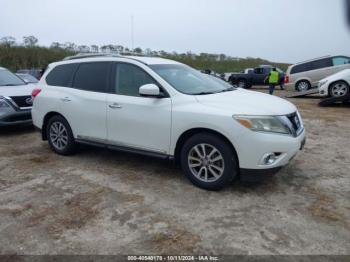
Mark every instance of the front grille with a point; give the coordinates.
(295, 121)
(22, 101)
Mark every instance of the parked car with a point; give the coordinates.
(305, 75)
(254, 76)
(336, 85)
(29, 79)
(163, 108)
(37, 73)
(15, 99)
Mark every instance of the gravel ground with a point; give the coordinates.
(106, 202)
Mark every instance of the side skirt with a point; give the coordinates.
(125, 149)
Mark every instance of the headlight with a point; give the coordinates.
(263, 124)
(3, 103)
(321, 83)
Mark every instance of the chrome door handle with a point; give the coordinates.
(115, 106)
(66, 99)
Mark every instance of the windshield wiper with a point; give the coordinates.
(227, 90)
(10, 85)
(204, 93)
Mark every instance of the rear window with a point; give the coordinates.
(92, 77)
(314, 65)
(61, 75)
(301, 68)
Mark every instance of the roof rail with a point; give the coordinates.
(313, 59)
(89, 55)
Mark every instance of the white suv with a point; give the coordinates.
(166, 109)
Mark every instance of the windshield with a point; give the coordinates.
(189, 81)
(28, 78)
(9, 79)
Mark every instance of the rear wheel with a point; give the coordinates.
(60, 136)
(303, 85)
(339, 89)
(208, 161)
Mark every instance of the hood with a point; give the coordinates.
(23, 90)
(246, 102)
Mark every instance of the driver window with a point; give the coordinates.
(340, 61)
(129, 79)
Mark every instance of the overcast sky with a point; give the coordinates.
(278, 30)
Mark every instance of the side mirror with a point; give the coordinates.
(149, 90)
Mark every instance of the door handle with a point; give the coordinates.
(66, 99)
(115, 106)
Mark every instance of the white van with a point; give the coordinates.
(305, 75)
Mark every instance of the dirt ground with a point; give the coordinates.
(105, 202)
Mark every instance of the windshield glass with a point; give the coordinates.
(190, 81)
(28, 78)
(9, 79)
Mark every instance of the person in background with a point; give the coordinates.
(273, 79)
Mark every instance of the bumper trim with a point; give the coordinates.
(257, 175)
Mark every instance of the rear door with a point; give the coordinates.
(134, 121)
(84, 104)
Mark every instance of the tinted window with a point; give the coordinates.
(61, 75)
(322, 63)
(259, 70)
(340, 61)
(92, 77)
(301, 68)
(130, 78)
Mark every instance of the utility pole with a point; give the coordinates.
(132, 33)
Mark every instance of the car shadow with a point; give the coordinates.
(16, 130)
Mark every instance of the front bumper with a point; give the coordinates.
(257, 175)
(12, 117)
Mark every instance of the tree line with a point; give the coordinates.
(28, 54)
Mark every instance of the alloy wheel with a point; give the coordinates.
(339, 90)
(206, 162)
(58, 135)
(303, 86)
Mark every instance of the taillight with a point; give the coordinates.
(35, 92)
(286, 79)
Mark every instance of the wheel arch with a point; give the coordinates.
(193, 131)
(302, 80)
(336, 81)
(46, 120)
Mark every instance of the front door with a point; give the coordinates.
(133, 121)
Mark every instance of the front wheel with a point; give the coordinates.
(208, 161)
(60, 136)
(339, 89)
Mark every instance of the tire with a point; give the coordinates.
(65, 143)
(242, 83)
(302, 86)
(223, 158)
(338, 89)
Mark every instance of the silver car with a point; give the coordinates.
(15, 99)
(305, 75)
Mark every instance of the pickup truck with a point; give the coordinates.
(254, 76)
